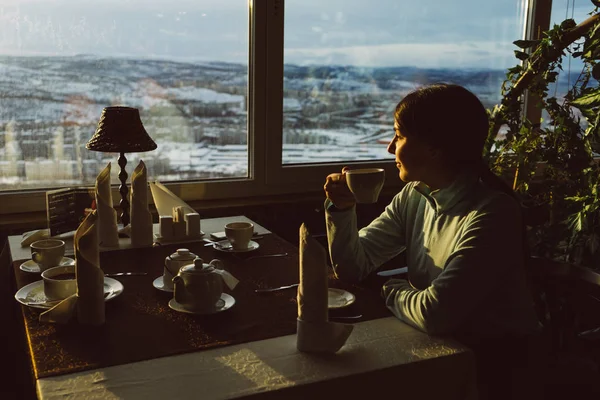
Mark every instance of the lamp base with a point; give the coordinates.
(124, 190)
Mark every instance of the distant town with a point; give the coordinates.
(196, 113)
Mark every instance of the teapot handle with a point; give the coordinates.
(216, 263)
(169, 269)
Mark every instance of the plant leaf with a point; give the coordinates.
(590, 100)
(521, 55)
(526, 44)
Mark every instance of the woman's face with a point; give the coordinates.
(413, 156)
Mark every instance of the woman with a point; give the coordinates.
(460, 225)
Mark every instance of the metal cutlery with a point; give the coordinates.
(392, 272)
(276, 289)
(48, 303)
(266, 255)
(210, 242)
(346, 318)
(127, 274)
(52, 303)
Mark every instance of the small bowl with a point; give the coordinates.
(58, 284)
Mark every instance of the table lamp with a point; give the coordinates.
(120, 130)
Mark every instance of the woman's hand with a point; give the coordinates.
(337, 190)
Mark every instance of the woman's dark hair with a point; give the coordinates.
(452, 119)
(447, 117)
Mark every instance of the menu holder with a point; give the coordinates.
(67, 208)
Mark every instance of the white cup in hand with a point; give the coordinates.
(365, 183)
(239, 234)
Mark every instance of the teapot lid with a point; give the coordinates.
(198, 267)
(183, 255)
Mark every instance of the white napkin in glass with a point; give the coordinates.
(107, 215)
(165, 200)
(141, 218)
(88, 302)
(314, 331)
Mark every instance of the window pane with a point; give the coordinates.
(183, 63)
(348, 63)
(572, 67)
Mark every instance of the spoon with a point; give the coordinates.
(51, 303)
(275, 289)
(266, 255)
(348, 318)
(127, 274)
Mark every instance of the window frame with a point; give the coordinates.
(267, 175)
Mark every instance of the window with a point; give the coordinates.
(183, 63)
(242, 97)
(347, 64)
(572, 67)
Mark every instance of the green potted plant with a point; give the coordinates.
(553, 164)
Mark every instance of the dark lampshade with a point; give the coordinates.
(120, 130)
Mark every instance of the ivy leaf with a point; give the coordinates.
(521, 55)
(588, 100)
(515, 70)
(526, 44)
(576, 222)
(568, 24)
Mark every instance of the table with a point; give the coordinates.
(244, 362)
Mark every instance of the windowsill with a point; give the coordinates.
(22, 222)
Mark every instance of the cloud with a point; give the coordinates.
(483, 54)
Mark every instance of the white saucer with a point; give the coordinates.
(338, 298)
(31, 266)
(225, 247)
(159, 283)
(34, 292)
(225, 303)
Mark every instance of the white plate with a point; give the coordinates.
(31, 266)
(34, 292)
(184, 239)
(338, 298)
(225, 247)
(159, 283)
(225, 303)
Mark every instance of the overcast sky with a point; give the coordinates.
(425, 33)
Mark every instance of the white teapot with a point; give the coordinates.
(173, 264)
(198, 286)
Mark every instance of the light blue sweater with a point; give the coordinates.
(464, 254)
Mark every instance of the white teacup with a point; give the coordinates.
(47, 253)
(59, 282)
(365, 184)
(239, 234)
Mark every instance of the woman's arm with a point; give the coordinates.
(355, 254)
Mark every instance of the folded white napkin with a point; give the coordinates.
(165, 200)
(88, 302)
(314, 331)
(230, 280)
(107, 215)
(32, 236)
(141, 218)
